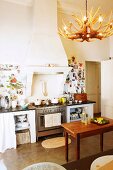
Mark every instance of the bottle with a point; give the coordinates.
(84, 117)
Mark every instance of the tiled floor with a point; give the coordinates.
(27, 154)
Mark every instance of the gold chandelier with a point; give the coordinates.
(89, 27)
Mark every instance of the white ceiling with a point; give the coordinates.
(69, 6)
(21, 2)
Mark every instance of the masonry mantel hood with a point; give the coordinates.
(49, 70)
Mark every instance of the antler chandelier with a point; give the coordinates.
(89, 27)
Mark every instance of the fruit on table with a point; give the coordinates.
(100, 120)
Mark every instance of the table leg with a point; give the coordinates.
(78, 147)
(66, 146)
(101, 142)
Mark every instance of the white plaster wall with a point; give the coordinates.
(97, 50)
(29, 34)
(15, 32)
(85, 51)
(54, 85)
(111, 47)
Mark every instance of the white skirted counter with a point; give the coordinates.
(8, 128)
(7, 132)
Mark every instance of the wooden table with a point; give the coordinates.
(79, 130)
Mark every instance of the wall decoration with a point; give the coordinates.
(75, 81)
(12, 83)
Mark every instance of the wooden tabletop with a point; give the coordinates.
(85, 163)
(73, 128)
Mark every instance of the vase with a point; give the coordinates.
(14, 104)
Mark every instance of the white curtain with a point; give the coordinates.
(7, 131)
(2, 165)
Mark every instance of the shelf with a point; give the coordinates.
(75, 120)
(22, 128)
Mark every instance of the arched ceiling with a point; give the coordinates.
(69, 6)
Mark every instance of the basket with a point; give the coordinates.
(80, 96)
(23, 137)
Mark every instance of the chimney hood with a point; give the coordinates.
(45, 46)
(49, 70)
(46, 55)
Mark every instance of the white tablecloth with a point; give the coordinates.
(7, 131)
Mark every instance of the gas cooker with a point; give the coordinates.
(52, 108)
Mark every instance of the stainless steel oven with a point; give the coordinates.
(41, 114)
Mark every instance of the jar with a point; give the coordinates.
(2, 101)
(14, 104)
(63, 100)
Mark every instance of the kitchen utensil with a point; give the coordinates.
(38, 102)
(21, 118)
(44, 88)
(22, 124)
(47, 102)
(54, 100)
(63, 100)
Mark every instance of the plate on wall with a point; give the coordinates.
(101, 161)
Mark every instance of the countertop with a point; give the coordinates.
(87, 102)
(3, 110)
(67, 104)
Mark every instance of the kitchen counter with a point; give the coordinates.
(3, 110)
(87, 102)
(67, 104)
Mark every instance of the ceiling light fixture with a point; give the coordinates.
(89, 27)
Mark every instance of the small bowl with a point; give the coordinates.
(21, 118)
(76, 101)
(80, 101)
(38, 102)
(70, 102)
(54, 101)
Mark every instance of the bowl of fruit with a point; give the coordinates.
(99, 120)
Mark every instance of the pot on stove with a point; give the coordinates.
(38, 102)
(47, 102)
(54, 100)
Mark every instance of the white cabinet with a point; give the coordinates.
(107, 88)
(8, 128)
(73, 112)
(31, 123)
